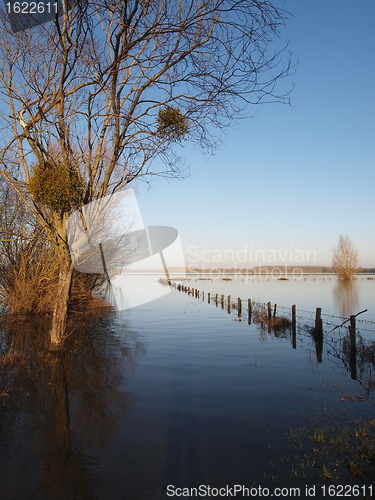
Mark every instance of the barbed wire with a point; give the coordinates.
(306, 315)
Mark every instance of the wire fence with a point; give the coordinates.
(344, 341)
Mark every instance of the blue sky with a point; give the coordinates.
(293, 178)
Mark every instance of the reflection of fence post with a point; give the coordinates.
(239, 307)
(294, 329)
(353, 348)
(269, 310)
(249, 310)
(228, 304)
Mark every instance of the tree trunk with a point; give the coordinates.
(60, 311)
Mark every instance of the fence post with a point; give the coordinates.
(216, 299)
(208, 297)
(269, 310)
(239, 307)
(318, 334)
(228, 304)
(274, 311)
(189, 290)
(318, 320)
(353, 349)
(294, 329)
(222, 301)
(249, 310)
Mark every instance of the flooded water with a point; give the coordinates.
(178, 393)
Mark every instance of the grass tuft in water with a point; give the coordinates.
(338, 450)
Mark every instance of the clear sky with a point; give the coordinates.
(293, 178)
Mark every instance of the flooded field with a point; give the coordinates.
(177, 393)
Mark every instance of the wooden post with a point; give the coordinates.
(249, 310)
(222, 301)
(318, 319)
(352, 331)
(203, 296)
(216, 299)
(274, 311)
(294, 329)
(189, 290)
(269, 310)
(239, 307)
(228, 304)
(353, 349)
(208, 297)
(319, 334)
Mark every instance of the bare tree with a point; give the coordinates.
(92, 99)
(345, 258)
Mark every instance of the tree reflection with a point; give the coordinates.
(345, 296)
(70, 402)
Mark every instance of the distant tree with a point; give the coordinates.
(95, 96)
(345, 258)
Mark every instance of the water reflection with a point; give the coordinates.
(202, 416)
(59, 407)
(345, 296)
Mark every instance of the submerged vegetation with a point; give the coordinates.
(276, 323)
(335, 445)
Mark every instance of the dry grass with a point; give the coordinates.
(260, 317)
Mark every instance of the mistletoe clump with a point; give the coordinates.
(172, 124)
(56, 187)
